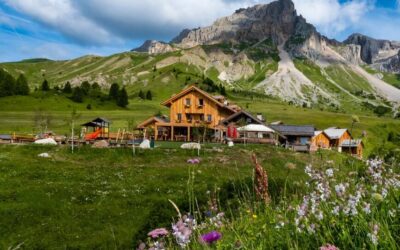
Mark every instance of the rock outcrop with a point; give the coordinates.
(154, 47)
(373, 50)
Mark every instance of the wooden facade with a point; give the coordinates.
(353, 147)
(192, 111)
(337, 136)
(320, 140)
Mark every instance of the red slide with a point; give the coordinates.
(93, 135)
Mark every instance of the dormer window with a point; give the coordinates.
(187, 102)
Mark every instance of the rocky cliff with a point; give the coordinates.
(154, 47)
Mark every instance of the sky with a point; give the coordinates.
(66, 29)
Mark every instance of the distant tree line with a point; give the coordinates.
(147, 96)
(10, 86)
(120, 96)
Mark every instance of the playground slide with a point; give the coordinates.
(93, 135)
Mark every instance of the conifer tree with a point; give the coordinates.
(45, 85)
(114, 91)
(122, 99)
(67, 88)
(149, 96)
(21, 86)
(7, 84)
(77, 95)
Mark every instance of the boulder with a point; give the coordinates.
(191, 145)
(47, 141)
(44, 155)
(100, 144)
(145, 144)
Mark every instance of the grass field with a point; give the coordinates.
(108, 198)
(17, 115)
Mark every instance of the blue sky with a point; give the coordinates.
(65, 29)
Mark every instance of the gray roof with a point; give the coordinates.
(300, 130)
(335, 133)
(101, 119)
(351, 143)
(240, 113)
(5, 137)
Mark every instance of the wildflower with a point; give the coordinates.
(261, 181)
(254, 216)
(329, 247)
(377, 197)
(367, 208)
(340, 189)
(193, 161)
(158, 232)
(373, 236)
(291, 166)
(210, 237)
(336, 210)
(329, 172)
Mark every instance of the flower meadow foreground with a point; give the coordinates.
(334, 210)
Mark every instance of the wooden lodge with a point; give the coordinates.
(337, 136)
(354, 147)
(193, 112)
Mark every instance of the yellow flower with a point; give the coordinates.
(248, 211)
(254, 216)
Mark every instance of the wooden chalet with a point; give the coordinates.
(297, 138)
(192, 112)
(320, 140)
(354, 147)
(337, 136)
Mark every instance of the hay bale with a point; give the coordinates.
(100, 144)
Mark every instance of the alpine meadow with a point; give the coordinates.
(274, 127)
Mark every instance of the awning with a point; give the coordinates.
(256, 128)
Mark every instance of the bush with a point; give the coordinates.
(45, 85)
(381, 110)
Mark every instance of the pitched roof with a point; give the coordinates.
(153, 119)
(101, 119)
(351, 143)
(194, 88)
(239, 113)
(303, 130)
(256, 128)
(335, 133)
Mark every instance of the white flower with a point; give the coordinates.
(340, 189)
(336, 210)
(329, 172)
(367, 208)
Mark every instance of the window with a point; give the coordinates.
(201, 117)
(187, 102)
(201, 102)
(304, 140)
(189, 117)
(209, 118)
(179, 117)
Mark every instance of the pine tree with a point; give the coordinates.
(45, 85)
(21, 86)
(67, 88)
(149, 96)
(122, 99)
(7, 83)
(114, 91)
(77, 95)
(141, 95)
(85, 86)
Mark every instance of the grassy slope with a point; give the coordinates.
(393, 79)
(109, 199)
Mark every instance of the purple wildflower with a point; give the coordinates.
(328, 247)
(158, 232)
(193, 161)
(211, 237)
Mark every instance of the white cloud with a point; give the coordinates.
(111, 22)
(332, 17)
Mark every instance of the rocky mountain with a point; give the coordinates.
(154, 47)
(266, 49)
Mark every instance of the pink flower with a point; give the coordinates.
(193, 161)
(328, 247)
(158, 232)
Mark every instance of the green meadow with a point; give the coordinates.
(110, 198)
